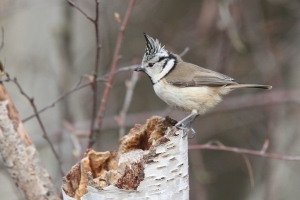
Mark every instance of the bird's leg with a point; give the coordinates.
(189, 123)
(180, 123)
(187, 127)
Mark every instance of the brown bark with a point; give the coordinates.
(20, 156)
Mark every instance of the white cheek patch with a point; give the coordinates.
(168, 67)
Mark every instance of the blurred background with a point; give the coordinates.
(50, 45)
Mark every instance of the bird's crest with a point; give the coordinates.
(152, 46)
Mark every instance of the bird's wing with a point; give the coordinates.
(189, 75)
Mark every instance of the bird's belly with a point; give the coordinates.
(188, 98)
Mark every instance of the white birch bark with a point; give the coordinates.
(165, 170)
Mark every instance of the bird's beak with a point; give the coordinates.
(139, 68)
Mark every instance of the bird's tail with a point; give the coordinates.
(236, 86)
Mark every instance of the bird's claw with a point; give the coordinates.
(186, 130)
(193, 133)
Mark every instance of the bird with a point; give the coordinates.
(185, 86)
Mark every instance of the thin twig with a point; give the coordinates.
(76, 87)
(76, 142)
(211, 146)
(2, 40)
(115, 59)
(45, 135)
(229, 24)
(265, 146)
(184, 51)
(72, 3)
(95, 74)
(250, 170)
(97, 58)
(130, 85)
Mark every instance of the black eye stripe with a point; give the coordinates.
(167, 59)
(162, 58)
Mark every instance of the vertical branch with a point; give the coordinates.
(228, 22)
(102, 107)
(95, 21)
(74, 138)
(95, 83)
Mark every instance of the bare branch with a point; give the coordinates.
(95, 84)
(102, 107)
(184, 51)
(45, 135)
(97, 58)
(265, 146)
(76, 87)
(212, 146)
(76, 142)
(72, 3)
(250, 170)
(229, 24)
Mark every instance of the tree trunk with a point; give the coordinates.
(20, 156)
(151, 163)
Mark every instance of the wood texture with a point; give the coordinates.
(20, 156)
(151, 163)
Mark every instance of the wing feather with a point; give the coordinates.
(196, 76)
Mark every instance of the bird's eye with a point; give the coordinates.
(150, 64)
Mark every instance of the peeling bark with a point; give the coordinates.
(151, 163)
(20, 156)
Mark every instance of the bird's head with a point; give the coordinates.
(157, 62)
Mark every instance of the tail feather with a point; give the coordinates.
(236, 86)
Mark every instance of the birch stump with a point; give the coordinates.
(151, 163)
(20, 156)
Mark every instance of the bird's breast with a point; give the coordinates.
(188, 98)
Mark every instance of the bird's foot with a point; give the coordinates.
(186, 129)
